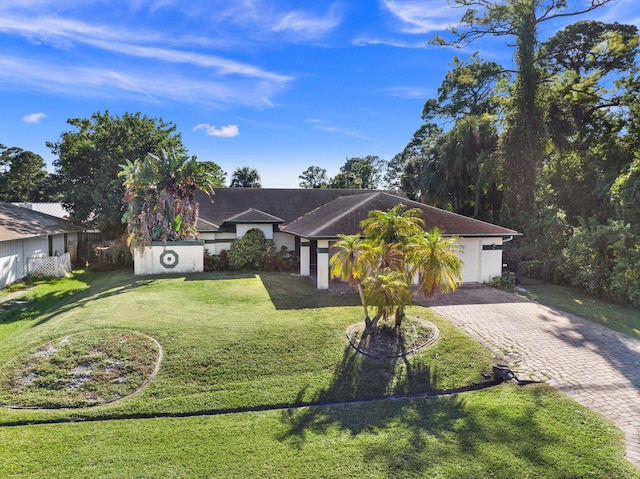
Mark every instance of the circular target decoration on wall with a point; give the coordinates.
(169, 259)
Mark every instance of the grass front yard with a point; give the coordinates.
(253, 369)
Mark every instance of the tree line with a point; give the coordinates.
(549, 146)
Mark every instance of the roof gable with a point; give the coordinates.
(343, 216)
(253, 215)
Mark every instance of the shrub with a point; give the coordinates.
(251, 251)
(506, 281)
(604, 260)
(218, 262)
(110, 255)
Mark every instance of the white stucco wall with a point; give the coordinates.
(481, 262)
(284, 239)
(322, 280)
(305, 260)
(216, 242)
(176, 258)
(491, 259)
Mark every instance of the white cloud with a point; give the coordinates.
(365, 40)
(424, 16)
(59, 31)
(322, 125)
(307, 26)
(33, 117)
(228, 131)
(147, 83)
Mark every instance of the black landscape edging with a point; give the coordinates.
(281, 407)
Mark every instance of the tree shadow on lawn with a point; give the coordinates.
(48, 306)
(293, 292)
(417, 435)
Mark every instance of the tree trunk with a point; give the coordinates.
(373, 323)
(367, 320)
(523, 144)
(399, 316)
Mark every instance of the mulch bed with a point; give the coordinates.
(388, 342)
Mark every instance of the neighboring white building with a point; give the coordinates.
(25, 234)
(308, 221)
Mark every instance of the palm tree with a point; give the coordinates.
(395, 250)
(436, 262)
(160, 192)
(394, 226)
(385, 291)
(393, 230)
(350, 264)
(245, 177)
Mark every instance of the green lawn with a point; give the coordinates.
(242, 352)
(575, 301)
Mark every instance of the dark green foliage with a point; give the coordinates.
(626, 194)
(213, 262)
(110, 255)
(359, 173)
(313, 177)
(604, 259)
(23, 177)
(160, 192)
(250, 251)
(245, 177)
(506, 281)
(89, 159)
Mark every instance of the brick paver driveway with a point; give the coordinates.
(595, 366)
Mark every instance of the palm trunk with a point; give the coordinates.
(399, 316)
(367, 320)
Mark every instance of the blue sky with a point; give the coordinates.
(276, 85)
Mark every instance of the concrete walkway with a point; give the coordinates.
(596, 366)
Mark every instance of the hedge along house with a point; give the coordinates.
(308, 221)
(28, 239)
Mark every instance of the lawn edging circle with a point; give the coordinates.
(83, 369)
(356, 336)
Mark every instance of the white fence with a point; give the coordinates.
(49, 266)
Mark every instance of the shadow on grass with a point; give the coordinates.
(213, 276)
(357, 378)
(91, 287)
(292, 292)
(428, 434)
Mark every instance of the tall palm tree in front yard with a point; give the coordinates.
(350, 264)
(395, 226)
(437, 264)
(396, 250)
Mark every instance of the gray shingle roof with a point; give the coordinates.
(19, 223)
(343, 216)
(253, 215)
(317, 213)
(285, 204)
